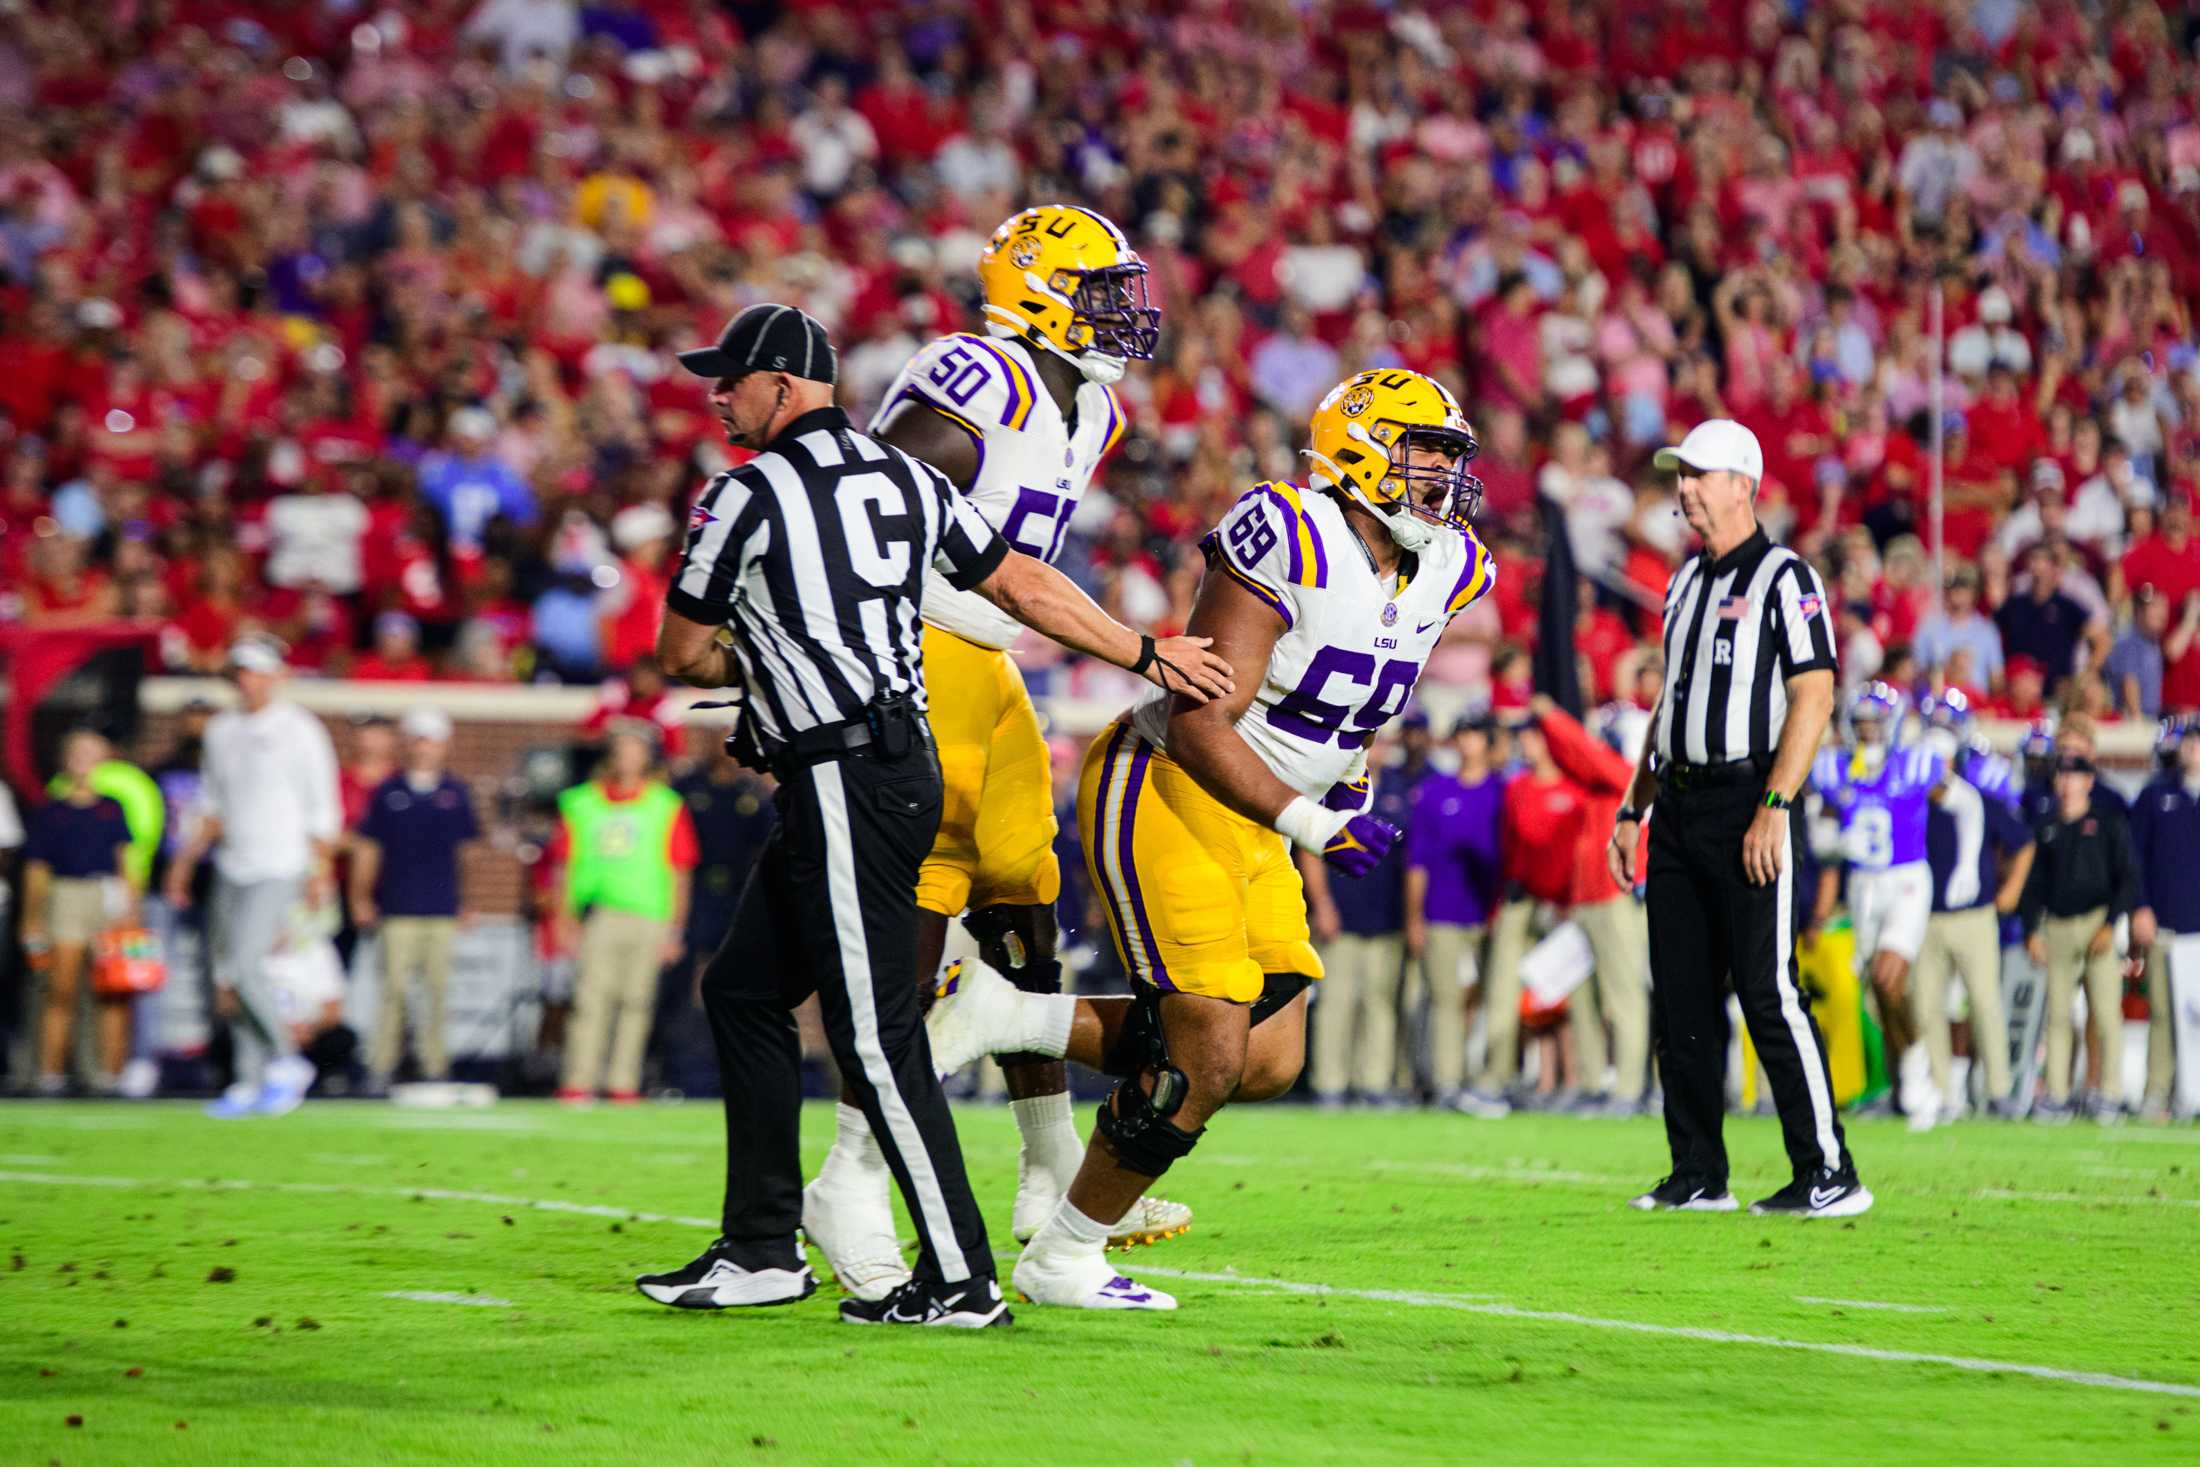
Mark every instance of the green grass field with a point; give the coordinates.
(1358, 1288)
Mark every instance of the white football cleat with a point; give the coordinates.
(852, 1224)
(1075, 1280)
(1150, 1220)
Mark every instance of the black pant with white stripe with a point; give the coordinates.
(1708, 922)
(831, 908)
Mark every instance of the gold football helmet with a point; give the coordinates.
(1365, 434)
(1065, 279)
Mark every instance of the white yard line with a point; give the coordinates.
(1463, 1303)
(1468, 1305)
(430, 1296)
(1464, 1171)
(2000, 1194)
(1873, 1304)
(434, 1194)
(25, 1159)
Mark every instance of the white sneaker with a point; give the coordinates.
(715, 1281)
(973, 1016)
(851, 1221)
(1076, 1280)
(1037, 1195)
(140, 1078)
(288, 1080)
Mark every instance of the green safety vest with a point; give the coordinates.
(144, 811)
(621, 849)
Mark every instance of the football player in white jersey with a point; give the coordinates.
(1337, 593)
(1018, 419)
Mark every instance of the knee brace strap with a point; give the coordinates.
(1137, 1125)
(1010, 950)
(1139, 1044)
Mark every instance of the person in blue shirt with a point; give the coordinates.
(73, 856)
(470, 486)
(1453, 856)
(1360, 928)
(2165, 832)
(405, 882)
(1979, 849)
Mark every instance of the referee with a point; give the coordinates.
(1749, 645)
(812, 558)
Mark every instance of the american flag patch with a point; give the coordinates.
(699, 517)
(1809, 605)
(1734, 608)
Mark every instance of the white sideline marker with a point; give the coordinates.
(1465, 1304)
(1872, 1304)
(431, 1296)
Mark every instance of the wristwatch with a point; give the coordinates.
(1774, 800)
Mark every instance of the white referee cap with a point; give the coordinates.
(427, 723)
(1720, 443)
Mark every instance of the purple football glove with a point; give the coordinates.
(1360, 847)
(1352, 795)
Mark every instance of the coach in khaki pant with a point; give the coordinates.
(629, 852)
(1964, 831)
(2084, 876)
(1360, 926)
(404, 882)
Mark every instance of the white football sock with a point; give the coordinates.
(1070, 1231)
(855, 1152)
(1049, 1136)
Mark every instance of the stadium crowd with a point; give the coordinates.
(353, 325)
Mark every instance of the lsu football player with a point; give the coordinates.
(1880, 790)
(1019, 418)
(1338, 592)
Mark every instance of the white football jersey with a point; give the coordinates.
(1032, 469)
(1352, 647)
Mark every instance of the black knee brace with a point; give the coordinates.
(1139, 1043)
(1137, 1125)
(1277, 991)
(1008, 940)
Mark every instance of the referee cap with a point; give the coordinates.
(1720, 443)
(768, 338)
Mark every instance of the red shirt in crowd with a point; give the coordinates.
(1542, 835)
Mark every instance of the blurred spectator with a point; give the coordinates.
(396, 656)
(76, 854)
(405, 884)
(2165, 836)
(635, 607)
(2083, 880)
(1541, 836)
(627, 845)
(1359, 926)
(272, 818)
(2134, 664)
(22, 1053)
(1451, 891)
(2044, 623)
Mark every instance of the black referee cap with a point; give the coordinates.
(768, 338)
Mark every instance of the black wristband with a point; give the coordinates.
(1146, 655)
(1627, 815)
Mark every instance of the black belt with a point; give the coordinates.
(889, 729)
(1680, 778)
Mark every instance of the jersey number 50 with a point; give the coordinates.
(1306, 711)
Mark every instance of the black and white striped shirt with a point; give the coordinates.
(1736, 629)
(815, 553)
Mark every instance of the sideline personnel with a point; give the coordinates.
(813, 558)
(1749, 641)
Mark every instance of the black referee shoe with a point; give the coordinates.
(1823, 1193)
(1685, 1194)
(972, 1304)
(716, 1281)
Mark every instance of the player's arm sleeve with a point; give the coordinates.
(1802, 622)
(969, 549)
(1267, 544)
(1476, 578)
(723, 529)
